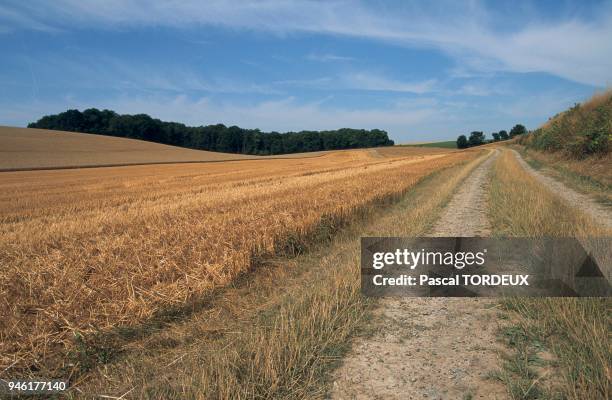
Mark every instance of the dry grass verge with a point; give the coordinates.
(576, 331)
(279, 332)
(590, 176)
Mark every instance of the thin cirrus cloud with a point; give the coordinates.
(572, 48)
(365, 81)
(408, 119)
(369, 81)
(327, 57)
(424, 118)
(112, 73)
(436, 69)
(286, 114)
(120, 75)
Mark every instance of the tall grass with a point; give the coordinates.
(577, 331)
(583, 130)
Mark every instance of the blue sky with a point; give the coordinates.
(420, 70)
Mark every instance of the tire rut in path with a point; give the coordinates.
(431, 348)
(576, 200)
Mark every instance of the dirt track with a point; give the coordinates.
(576, 200)
(431, 348)
(464, 215)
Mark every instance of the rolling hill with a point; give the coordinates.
(28, 148)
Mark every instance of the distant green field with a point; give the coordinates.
(451, 144)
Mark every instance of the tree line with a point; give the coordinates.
(217, 137)
(477, 138)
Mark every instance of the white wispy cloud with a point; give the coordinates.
(324, 82)
(541, 105)
(363, 80)
(575, 49)
(327, 57)
(123, 75)
(422, 118)
(93, 72)
(112, 73)
(285, 114)
(370, 81)
(405, 119)
(11, 18)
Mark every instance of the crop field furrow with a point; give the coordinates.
(144, 200)
(124, 187)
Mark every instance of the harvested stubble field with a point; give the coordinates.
(31, 149)
(85, 251)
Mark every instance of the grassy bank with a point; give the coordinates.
(280, 331)
(580, 132)
(562, 347)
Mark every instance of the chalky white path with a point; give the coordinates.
(432, 348)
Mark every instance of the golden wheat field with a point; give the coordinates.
(87, 250)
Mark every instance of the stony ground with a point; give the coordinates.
(465, 215)
(432, 348)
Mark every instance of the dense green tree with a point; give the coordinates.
(496, 136)
(476, 138)
(462, 142)
(212, 137)
(518, 129)
(503, 135)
